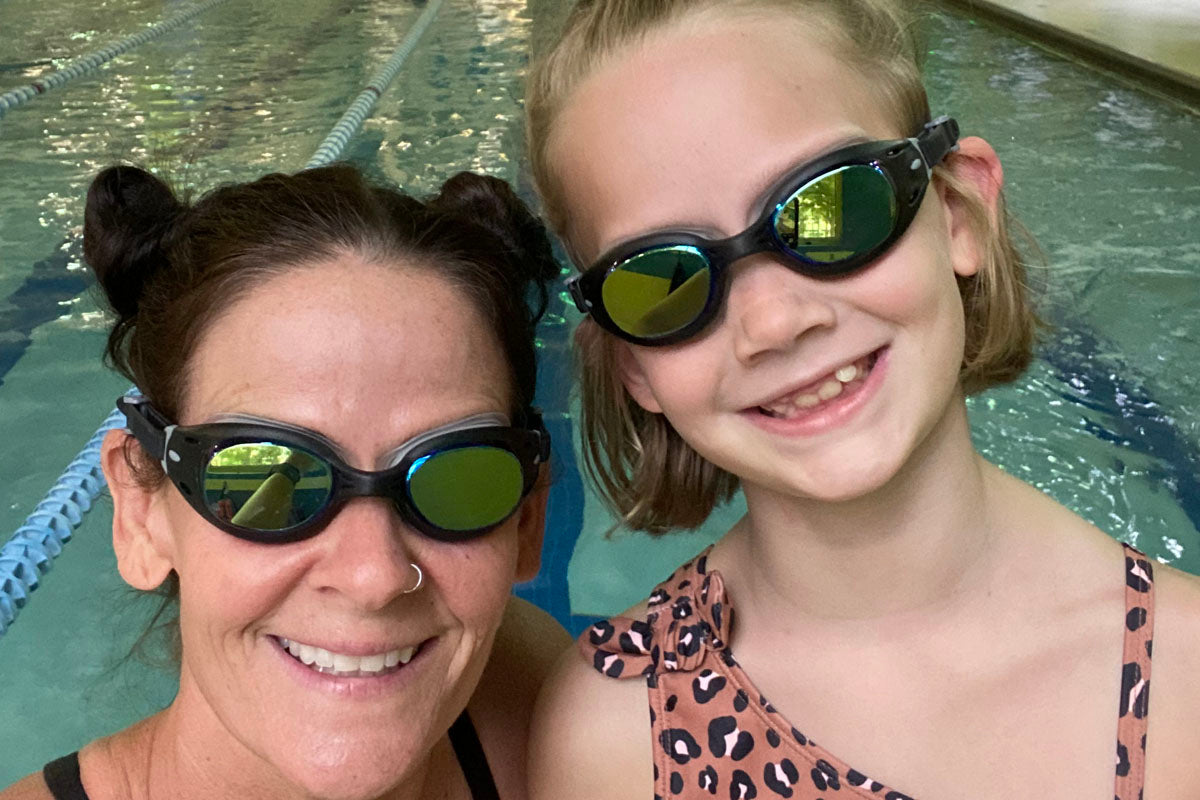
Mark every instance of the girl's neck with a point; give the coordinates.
(922, 538)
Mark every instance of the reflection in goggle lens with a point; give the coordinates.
(265, 486)
(466, 488)
(838, 215)
(659, 291)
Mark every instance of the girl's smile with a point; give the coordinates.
(812, 387)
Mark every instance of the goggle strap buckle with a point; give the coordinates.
(938, 139)
(576, 291)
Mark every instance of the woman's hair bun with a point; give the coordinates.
(128, 216)
(491, 204)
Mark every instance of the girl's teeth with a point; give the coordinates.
(323, 660)
(847, 373)
(807, 401)
(829, 389)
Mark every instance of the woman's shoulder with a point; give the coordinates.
(524, 652)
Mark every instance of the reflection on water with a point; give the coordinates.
(1164, 32)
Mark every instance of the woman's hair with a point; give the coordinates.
(652, 478)
(168, 268)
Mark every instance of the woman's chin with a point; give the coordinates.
(357, 778)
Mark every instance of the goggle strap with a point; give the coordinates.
(938, 139)
(147, 425)
(576, 291)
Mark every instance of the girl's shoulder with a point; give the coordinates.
(31, 787)
(686, 617)
(1173, 737)
(590, 733)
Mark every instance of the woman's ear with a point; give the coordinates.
(531, 527)
(138, 524)
(975, 169)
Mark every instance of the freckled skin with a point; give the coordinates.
(368, 356)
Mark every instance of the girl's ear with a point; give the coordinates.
(976, 168)
(634, 377)
(139, 529)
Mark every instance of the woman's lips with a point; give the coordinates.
(344, 665)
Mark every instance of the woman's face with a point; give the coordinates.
(367, 356)
(813, 388)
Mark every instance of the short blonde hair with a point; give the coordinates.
(645, 471)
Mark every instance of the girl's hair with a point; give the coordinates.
(168, 267)
(652, 478)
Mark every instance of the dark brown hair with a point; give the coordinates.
(168, 267)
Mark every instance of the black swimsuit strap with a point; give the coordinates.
(472, 759)
(62, 778)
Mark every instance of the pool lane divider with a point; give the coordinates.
(350, 123)
(91, 61)
(31, 551)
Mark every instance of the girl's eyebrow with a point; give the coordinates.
(768, 181)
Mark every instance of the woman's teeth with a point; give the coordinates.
(815, 394)
(326, 661)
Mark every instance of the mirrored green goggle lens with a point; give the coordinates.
(266, 486)
(838, 216)
(657, 292)
(466, 488)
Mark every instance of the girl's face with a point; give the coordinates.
(813, 388)
(367, 356)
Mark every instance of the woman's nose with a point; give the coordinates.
(770, 307)
(363, 557)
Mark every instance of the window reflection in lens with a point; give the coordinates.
(266, 486)
(839, 215)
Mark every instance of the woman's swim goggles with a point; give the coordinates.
(269, 482)
(827, 218)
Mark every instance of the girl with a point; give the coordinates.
(793, 276)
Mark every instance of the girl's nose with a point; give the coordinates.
(363, 556)
(771, 307)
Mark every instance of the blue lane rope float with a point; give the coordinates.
(352, 120)
(88, 63)
(30, 551)
(40, 539)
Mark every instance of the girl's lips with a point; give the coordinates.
(799, 417)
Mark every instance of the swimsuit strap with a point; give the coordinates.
(1134, 711)
(472, 759)
(62, 778)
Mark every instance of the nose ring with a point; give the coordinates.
(420, 580)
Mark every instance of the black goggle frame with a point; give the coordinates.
(185, 452)
(906, 163)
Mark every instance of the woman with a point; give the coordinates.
(794, 274)
(335, 466)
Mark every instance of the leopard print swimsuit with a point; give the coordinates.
(715, 735)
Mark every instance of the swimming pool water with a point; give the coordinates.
(1106, 177)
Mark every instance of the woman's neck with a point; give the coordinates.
(185, 752)
(925, 536)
